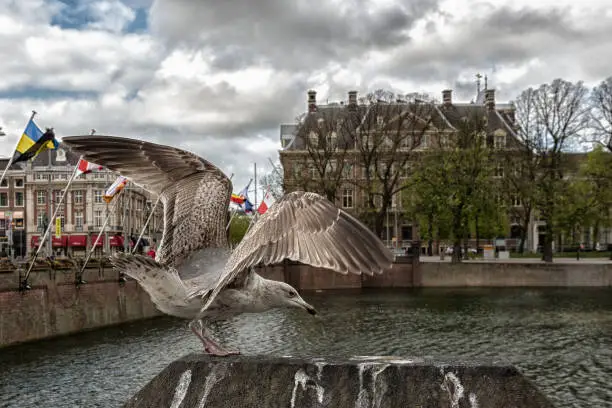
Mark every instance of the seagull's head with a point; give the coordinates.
(286, 296)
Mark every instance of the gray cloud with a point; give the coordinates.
(286, 34)
(507, 38)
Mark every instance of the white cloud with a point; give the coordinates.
(219, 77)
(111, 15)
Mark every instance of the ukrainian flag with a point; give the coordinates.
(33, 141)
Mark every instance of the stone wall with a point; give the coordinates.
(487, 274)
(56, 306)
(199, 380)
(305, 277)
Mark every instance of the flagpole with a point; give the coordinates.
(79, 278)
(144, 227)
(24, 283)
(13, 153)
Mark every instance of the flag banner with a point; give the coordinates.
(58, 227)
(85, 167)
(33, 141)
(266, 203)
(115, 188)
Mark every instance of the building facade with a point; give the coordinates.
(33, 191)
(301, 170)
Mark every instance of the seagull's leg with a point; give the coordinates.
(210, 346)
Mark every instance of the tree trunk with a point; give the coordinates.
(430, 235)
(458, 234)
(547, 251)
(477, 235)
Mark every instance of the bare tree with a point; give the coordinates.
(321, 164)
(389, 132)
(601, 113)
(551, 120)
(273, 180)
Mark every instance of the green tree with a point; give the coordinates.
(426, 203)
(588, 197)
(460, 173)
(239, 225)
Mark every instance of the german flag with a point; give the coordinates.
(34, 141)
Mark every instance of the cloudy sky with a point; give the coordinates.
(218, 77)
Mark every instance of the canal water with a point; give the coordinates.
(561, 339)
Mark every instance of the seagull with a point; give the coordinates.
(195, 275)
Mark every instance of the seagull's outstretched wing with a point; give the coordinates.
(195, 193)
(307, 228)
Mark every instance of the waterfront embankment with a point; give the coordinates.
(56, 306)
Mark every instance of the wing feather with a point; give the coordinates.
(307, 228)
(195, 194)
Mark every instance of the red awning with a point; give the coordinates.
(59, 242)
(77, 240)
(35, 241)
(116, 241)
(100, 241)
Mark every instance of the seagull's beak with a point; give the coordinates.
(306, 306)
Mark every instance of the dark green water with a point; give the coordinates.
(560, 339)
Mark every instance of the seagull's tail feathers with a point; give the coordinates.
(163, 284)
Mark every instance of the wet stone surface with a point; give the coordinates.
(197, 380)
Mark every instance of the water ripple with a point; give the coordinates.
(560, 339)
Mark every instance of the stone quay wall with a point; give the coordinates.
(513, 274)
(406, 273)
(55, 306)
(305, 277)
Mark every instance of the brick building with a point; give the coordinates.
(32, 191)
(442, 121)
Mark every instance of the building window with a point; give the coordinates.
(347, 171)
(97, 196)
(18, 223)
(515, 200)
(313, 140)
(314, 172)
(3, 199)
(78, 220)
(19, 183)
(98, 218)
(425, 141)
(499, 170)
(4, 183)
(347, 198)
(499, 142)
(78, 197)
(331, 141)
(396, 200)
(297, 171)
(40, 221)
(42, 176)
(41, 197)
(19, 199)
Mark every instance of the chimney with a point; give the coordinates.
(447, 97)
(352, 99)
(489, 99)
(312, 101)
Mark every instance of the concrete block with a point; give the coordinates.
(198, 380)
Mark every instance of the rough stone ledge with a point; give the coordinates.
(199, 381)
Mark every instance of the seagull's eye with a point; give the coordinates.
(292, 294)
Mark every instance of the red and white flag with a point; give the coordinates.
(85, 167)
(267, 202)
